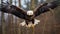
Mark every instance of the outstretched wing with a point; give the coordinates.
(44, 8)
(13, 10)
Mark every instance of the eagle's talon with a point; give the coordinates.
(29, 25)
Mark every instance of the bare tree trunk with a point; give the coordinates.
(18, 20)
(32, 4)
(19, 3)
(10, 22)
(3, 22)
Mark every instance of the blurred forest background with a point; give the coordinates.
(50, 21)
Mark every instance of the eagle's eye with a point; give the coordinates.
(30, 12)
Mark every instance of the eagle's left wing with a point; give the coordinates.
(45, 7)
(4, 7)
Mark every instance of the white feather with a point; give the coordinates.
(23, 23)
(36, 21)
(30, 12)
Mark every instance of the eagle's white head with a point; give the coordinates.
(30, 12)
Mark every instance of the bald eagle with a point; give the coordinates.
(28, 16)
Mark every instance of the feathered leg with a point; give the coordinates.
(26, 22)
(32, 21)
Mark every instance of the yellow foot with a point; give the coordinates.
(33, 25)
(29, 25)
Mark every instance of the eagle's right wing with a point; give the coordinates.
(45, 7)
(4, 7)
